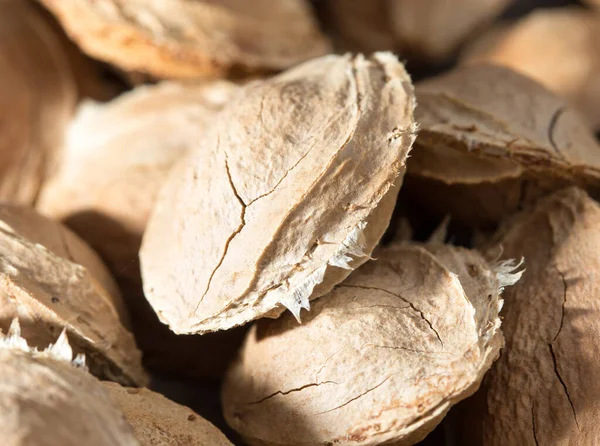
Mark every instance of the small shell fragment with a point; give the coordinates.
(403, 339)
(289, 191)
(158, 421)
(542, 390)
(52, 280)
(192, 39)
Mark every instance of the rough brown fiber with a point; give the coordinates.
(566, 62)
(37, 97)
(380, 360)
(116, 158)
(543, 390)
(286, 194)
(190, 39)
(50, 279)
(484, 126)
(45, 400)
(427, 29)
(157, 421)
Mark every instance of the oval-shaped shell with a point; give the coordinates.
(46, 401)
(191, 39)
(492, 140)
(51, 280)
(158, 421)
(380, 360)
(37, 97)
(289, 191)
(117, 156)
(429, 30)
(556, 47)
(543, 388)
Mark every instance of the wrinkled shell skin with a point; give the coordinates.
(48, 402)
(274, 212)
(543, 390)
(157, 421)
(566, 62)
(118, 155)
(191, 39)
(495, 155)
(37, 98)
(430, 29)
(50, 279)
(399, 342)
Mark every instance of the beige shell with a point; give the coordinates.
(158, 421)
(380, 360)
(45, 400)
(118, 155)
(559, 48)
(492, 140)
(543, 390)
(191, 39)
(427, 29)
(51, 280)
(37, 98)
(285, 195)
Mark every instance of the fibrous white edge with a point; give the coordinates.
(506, 273)
(61, 350)
(352, 247)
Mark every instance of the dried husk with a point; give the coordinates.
(158, 421)
(191, 39)
(37, 97)
(559, 48)
(48, 399)
(51, 280)
(380, 360)
(430, 30)
(288, 192)
(543, 389)
(491, 141)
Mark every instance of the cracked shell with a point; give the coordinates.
(157, 420)
(492, 140)
(289, 191)
(543, 390)
(50, 280)
(566, 62)
(117, 156)
(37, 97)
(192, 39)
(431, 30)
(380, 360)
(47, 400)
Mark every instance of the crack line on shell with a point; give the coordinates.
(230, 238)
(564, 385)
(552, 127)
(535, 439)
(562, 316)
(412, 306)
(287, 392)
(356, 397)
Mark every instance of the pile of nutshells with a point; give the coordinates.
(247, 207)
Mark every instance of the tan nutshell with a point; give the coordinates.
(191, 39)
(37, 97)
(543, 389)
(431, 30)
(380, 360)
(158, 421)
(492, 140)
(284, 196)
(51, 280)
(117, 156)
(559, 48)
(48, 399)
